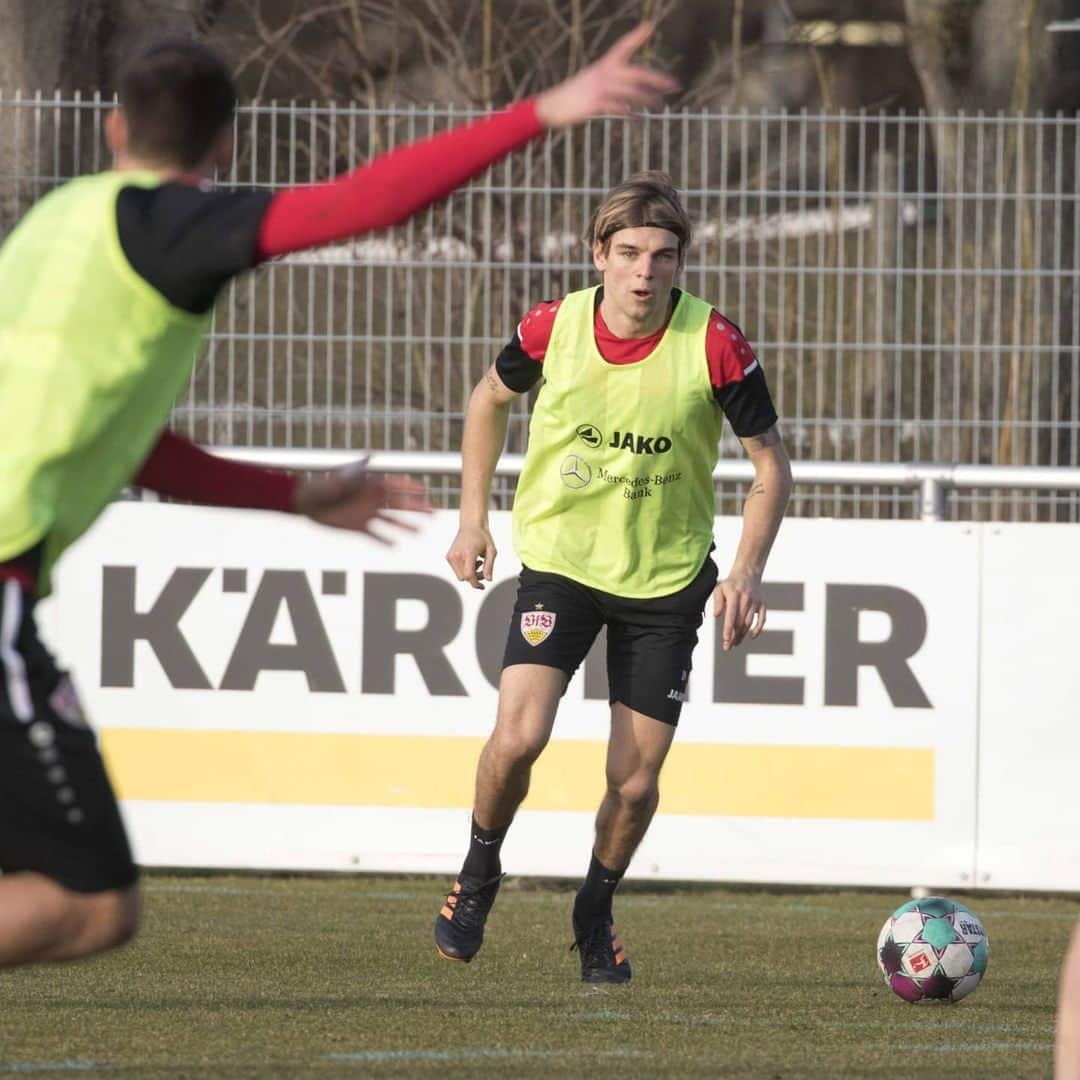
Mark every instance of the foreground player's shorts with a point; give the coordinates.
(650, 643)
(58, 814)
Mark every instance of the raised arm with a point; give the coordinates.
(396, 185)
(738, 597)
(472, 554)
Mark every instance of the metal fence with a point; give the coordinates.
(909, 282)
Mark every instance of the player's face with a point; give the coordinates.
(639, 269)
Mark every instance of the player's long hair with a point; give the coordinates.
(647, 198)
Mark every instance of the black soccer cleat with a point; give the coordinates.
(459, 926)
(603, 958)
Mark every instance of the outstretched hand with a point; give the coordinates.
(472, 555)
(739, 599)
(611, 86)
(354, 499)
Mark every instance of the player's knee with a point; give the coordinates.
(125, 915)
(518, 744)
(639, 791)
(520, 733)
(106, 920)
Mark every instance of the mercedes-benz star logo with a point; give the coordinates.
(575, 472)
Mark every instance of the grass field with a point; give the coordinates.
(294, 977)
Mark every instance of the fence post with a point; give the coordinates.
(932, 503)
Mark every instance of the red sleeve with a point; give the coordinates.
(534, 331)
(182, 470)
(730, 357)
(394, 186)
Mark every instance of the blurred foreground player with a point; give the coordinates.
(106, 292)
(613, 523)
(1067, 1044)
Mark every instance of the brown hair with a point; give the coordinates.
(178, 97)
(647, 198)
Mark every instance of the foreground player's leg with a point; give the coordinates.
(1067, 1046)
(636, 753)
(528, 697)
(69, 883)
(41, 921)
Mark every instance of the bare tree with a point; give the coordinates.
(70, 47)
(475, 52)
(74, 44)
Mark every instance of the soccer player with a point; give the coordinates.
(613, 524)
(106, 293)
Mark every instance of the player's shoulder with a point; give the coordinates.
(543, 314)
(730, 356)
(177, 205)
(534, 330)
(187, 240)
(721, 328)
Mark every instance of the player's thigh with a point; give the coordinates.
(529, 697)
(650, 648)
(554, 623)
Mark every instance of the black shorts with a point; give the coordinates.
(58, 814)
(650, 643)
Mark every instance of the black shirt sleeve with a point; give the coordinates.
(187, 242)
(517, 369)
(747, 404)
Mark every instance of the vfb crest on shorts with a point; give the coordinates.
(536, 626)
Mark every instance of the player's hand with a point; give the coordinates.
(611, 86)
(472, 555)
(739, 599)
(352, 498)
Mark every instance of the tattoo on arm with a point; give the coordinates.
(757, 489)
(771, 437)
(492, 380)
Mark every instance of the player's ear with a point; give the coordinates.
(116, 131)
(599, 256)
(222, 153)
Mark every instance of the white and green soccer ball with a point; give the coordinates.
(932, 950)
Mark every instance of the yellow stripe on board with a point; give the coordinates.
(435, 771)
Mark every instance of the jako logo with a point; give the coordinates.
(640, 444)
(590, 436)
(246, 644)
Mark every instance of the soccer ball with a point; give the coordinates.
(932, 951)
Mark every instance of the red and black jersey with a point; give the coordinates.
(737, 378)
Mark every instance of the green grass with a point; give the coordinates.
(280, 977)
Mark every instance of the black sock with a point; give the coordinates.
(594, 897)
(484, 845)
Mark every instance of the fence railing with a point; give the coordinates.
(909, 282)
(931, 484)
